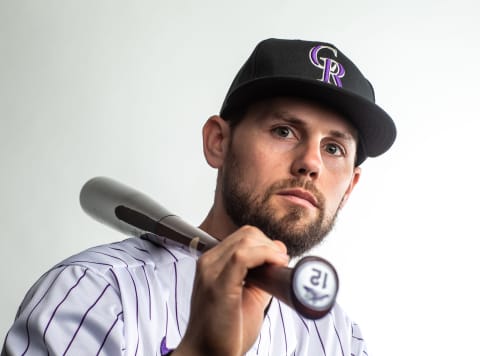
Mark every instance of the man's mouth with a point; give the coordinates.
(299, 196)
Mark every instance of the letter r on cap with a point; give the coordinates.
(332, 70)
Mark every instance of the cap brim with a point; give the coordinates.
(376, 129)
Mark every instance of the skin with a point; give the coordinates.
(279, 139)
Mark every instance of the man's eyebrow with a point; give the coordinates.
(288, 117)
(348, 136)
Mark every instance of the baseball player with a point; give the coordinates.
(295, 126)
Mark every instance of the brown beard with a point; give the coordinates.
(246, 209)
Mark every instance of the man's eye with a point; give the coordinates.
(334, 150)
(282, 131)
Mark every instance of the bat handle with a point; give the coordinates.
(310, 287)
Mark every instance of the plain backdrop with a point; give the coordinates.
(122, 89)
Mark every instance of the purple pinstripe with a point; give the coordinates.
(134, 288)
(283, 325)
(33, 309)
(170, 252)
(320, 338)
(84, 261)
(336, 332)
(59, 304)
(144, 272)
(176, 282)
(136, 309)
(149, 294)
(163, 344)
(115, 277)
(259, 341)
(176, 298)
(269, 329)
(304, 323)
(142, 250)
(354, 336)
(108, 333)
(176, 279)
(84, 316)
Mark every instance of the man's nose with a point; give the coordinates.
(308, 161)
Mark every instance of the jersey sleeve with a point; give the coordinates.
(71, 310)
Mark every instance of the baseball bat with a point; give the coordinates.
(310, 287)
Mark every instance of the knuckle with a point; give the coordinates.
(239, 257)
(203, 268)
(243, 243)
(279, 244)
(251, 233)
(204, 278)
(249, 229)
(201, 263)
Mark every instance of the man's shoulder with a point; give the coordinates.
(131, 253)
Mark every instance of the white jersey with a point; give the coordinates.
(133, 298)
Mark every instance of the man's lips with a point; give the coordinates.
(299, 195)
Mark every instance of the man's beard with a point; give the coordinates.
(246, 209)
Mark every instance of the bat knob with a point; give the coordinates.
(314, 287)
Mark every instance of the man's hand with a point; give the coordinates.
(226, 313)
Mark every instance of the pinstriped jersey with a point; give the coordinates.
(133, 298)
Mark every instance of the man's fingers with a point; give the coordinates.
(245, 238)
(243, 259)
(280, 245)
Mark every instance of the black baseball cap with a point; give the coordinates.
(316, 71)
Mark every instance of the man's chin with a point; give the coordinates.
(294, 224)
(296, 216)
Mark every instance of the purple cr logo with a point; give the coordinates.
(332, 70)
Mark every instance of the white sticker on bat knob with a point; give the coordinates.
(315, 284)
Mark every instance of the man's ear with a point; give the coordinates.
(353, 182)
(216, 137)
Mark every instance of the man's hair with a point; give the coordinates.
(235, 115)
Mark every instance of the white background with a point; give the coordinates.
(122, 88)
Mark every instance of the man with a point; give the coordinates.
(296, 124)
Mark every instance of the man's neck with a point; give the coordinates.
(218, 224)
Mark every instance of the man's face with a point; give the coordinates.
(289, 168)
